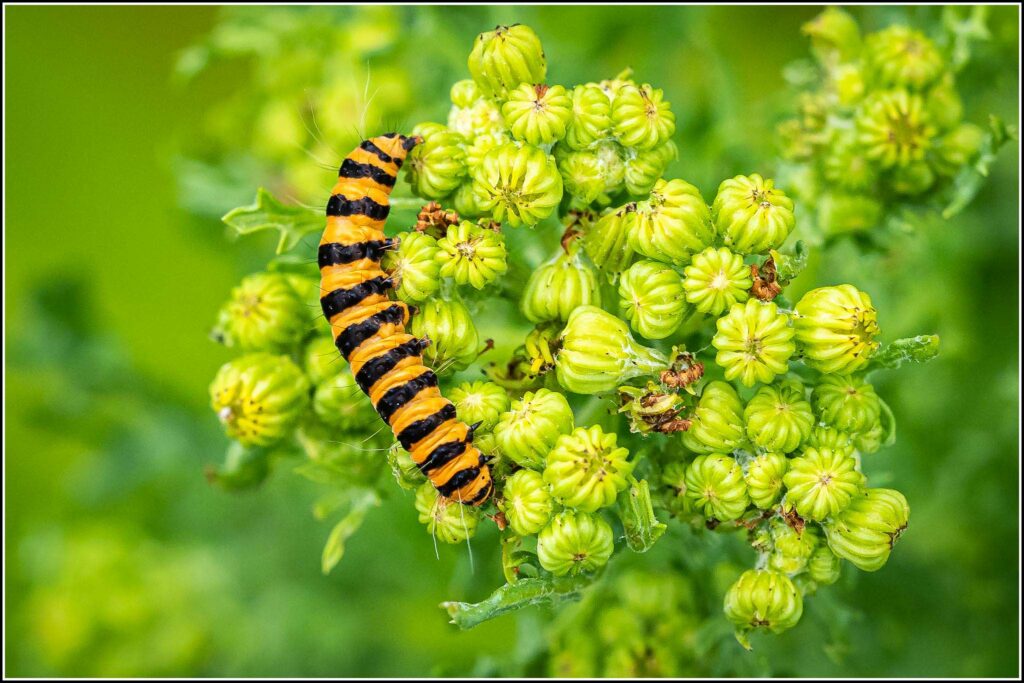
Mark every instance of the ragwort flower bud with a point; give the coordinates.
(672, 223)
(437, 166)
(586, 470)
(958, 148)
(526, 502)
(835, 36)
(764, 478)
(472, 255)
(844, 214)
(754, 342)
(606, 242)
(715, 485)
(779, 417)
(537, 114)
(259, 398)
(835, 329)
(641, 117)
(823, 566)
(912, 179)
(821, 482)
(715, 280)
(446, 520)
(321, 360)
(454, 342)
(751, 214)
(848, 165)
(894, 129)
(847, 403)
(791, 548)
(479, 402)
(901, 56)
(830, 438)
(505, 57)
(763, 599)
(530, 428)
(265, 313)
(651, 297)
(717, 422)
(866, 531)
(559, 287)
(591, 119)
(414, 267)
(646, 167)
(339, 403)
(574, 543)
(517, 185)
(598, 353)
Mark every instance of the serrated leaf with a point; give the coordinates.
(969, 181)
(788, 266)
(919, 349)
(334, 549)
(515, 596)
(267, 213)
(637, 514)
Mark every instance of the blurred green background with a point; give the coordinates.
(121, 560)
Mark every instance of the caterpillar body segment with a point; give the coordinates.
(369, 327)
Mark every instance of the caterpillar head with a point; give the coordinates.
(397, 145)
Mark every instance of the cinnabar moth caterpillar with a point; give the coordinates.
(369, 327)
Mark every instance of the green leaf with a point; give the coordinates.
(963, 26)
(788, 266)
(515, 596)
(267, 213)
(637, 514)
(888, 424)
(334, 549)
(919, 349)
(969, 181)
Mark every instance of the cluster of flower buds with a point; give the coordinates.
(879, 127)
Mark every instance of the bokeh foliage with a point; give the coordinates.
(120, 558)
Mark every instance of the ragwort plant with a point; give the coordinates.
(667, 378)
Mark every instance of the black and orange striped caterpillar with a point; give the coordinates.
(369, 327)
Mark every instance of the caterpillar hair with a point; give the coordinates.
(369, 327)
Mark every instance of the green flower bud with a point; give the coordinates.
(945, 108)
(414, 267)
(427, 129)
(866, 531)
(764, 478)
(752, 215)
(339, 403)
(591, 175)
(672, 223)
(405, 470)
(259, 398)
(574, 543)
(606, 242)
(517, 185)
(823, 566)
(345, 458)
(763, 599)
(448, 325)
(644, 168)
(827, 437)
(537, 114)
(835, 329)
(791, 549)
(482, 402)
(900, 56)
(438, 165)
(843, 214)
(870, 441)
(472, 115)
(848, 165)
(715, 280)
(591, 119)
(560, 286)
(913, 179)
(835, 36)
(472, 255)
(598, 353)
(893, 128)
(264, 313)
(651, 297)
(243, 468)
(530, 428)
(505, 57)
(586, 470)
(640, 116)
(715, 485)
(465, 93)
(958, 148)
(446, 520)
(526, 502)
(673, 480)
(464, 201)
(848, 80)
(779, 417)
(754, 342)
(321, 360)
(717, 422)
(849, 404)
(822, 482)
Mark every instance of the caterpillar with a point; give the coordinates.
(369, 327)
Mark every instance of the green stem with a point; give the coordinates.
(514, 596)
